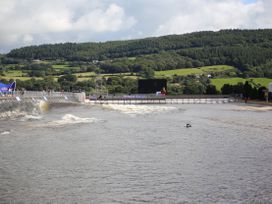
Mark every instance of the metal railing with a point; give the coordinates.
(152, 98)
(42, 95)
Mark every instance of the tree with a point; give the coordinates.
(247, 90)
(194, 87)
(36, 73)
(67, 78)
(227, 89)
(211, 89)
(146, 72)
(50, 84)
(67, 82)
(175, 89)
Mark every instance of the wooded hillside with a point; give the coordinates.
(248, 50)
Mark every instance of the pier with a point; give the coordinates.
(69, 97)
(154, 99)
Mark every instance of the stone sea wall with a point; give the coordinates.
(20, 103)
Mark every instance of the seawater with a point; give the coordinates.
(138, 154)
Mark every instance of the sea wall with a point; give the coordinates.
(17, 103)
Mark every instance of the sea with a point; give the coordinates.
(137, 154)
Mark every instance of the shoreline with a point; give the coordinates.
(255, 105)
(261, 103)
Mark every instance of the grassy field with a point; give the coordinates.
(217, 68)
(13, 73)
(85, 74)
(60, 66)
(64, 67)
(179, 72)
(11, 66)
(20, 78)
(219, 82)
(193, 71)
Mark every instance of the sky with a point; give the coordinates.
(34, 22)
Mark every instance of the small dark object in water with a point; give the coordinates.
(188, 125)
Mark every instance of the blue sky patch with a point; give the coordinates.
(249, 1)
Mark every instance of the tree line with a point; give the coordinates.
(250, 51)
(176, 85)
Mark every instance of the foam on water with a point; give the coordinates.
(139, 109)
(6, 132)
(31, 117)
(12, 114)
(43, 106)
(69, 119)
(25, 110)
(253, 108)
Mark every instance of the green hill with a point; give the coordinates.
(196, 71)
(232, 81)
(250, 51)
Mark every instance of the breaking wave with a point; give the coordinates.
(10, 114)
(69, 119)
(43, 106)
(5, 132)
(31, 117)
(23, 110)
(139, 109)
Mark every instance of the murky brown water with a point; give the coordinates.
(138, 154)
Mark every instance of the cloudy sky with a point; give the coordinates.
(33, 22)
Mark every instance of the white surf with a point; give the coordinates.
(139, 109)
(69, 119)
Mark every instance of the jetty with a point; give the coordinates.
(69, 97)
(161, 99)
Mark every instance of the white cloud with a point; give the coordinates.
(30, 21)
(263, 19)
(27, 38)
(112, 19)
(25, 22)
(213, 15)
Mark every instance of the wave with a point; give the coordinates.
(43, 106)
(139, 109)
(5, 132)
(23, 110)
(11, 114)
(69, 119)
(13, 109)
(28, 117)
(21, 115)
(254, 108)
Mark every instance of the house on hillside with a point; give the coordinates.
(209, 76)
